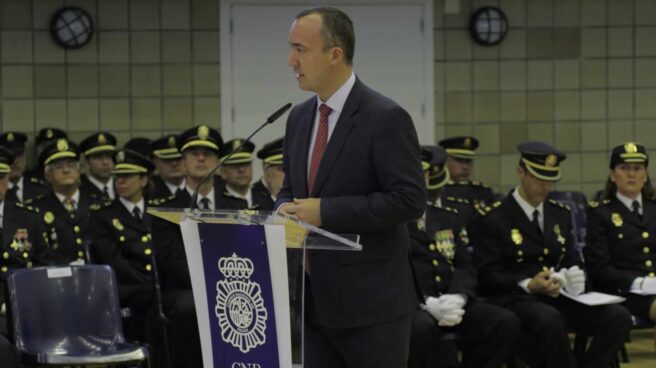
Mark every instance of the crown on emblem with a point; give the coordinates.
(10, 137)
(630, 147)
(172, 142)
(49, 133)
(236, 267)
(102, 139)
(203, 132)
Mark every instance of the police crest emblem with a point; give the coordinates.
(239, 305)
(445, 244)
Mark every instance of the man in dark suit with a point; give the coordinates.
(65, 208)
(237, 173)
(525, 256)
(21, 187)
(170, 176)
(98, 149)
(21, 238)
(460, 162)
(352, 165)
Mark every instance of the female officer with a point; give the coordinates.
(621, 233)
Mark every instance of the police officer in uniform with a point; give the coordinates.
(237, 172)
(170, 176)
(65, 207)
(43, 138)
(460, 162)
(21, 187)
(525, 257)
(122, 239)
(22, 239)
(271, 181)
(448, 283)
(98, 149)
(620, 253)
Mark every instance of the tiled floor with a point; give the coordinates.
(642, 353)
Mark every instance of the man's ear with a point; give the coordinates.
(336, 55)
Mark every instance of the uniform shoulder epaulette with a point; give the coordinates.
(228, 194)
(33, 199)
(27, 207)
(593, 204)
(561, 205)
(445, 208)
(160, 201)
(100, 206)
(484, 210)
(37, 181)
(459, 200)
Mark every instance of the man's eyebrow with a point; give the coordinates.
(297, 45)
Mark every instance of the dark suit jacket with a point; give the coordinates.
(508, 248)
(370, 183)
(620, 245)
(93, 192)
(159, 189)
(263, 196)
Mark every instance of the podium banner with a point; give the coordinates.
(241, 295)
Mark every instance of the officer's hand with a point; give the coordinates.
(543, 284)
(307, 210)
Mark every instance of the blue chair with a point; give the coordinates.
(68, 316)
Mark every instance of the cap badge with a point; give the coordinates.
(120, 156)
(49, 133)
(551, 160)
(236, 144)
(468, 143)
(62, 145)
(10, 137)
(102, 139)
(203, 132)
(630, 148)
(172, 142)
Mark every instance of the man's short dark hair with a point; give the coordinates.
(336, 29)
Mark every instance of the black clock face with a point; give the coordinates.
(489, 26)
(71, 27)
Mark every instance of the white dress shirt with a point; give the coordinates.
(628, 202)
(75, 198)
(248, 197)
(19, 192)
(131, 205)
(101, 186)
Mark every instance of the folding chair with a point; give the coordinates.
(67, 316)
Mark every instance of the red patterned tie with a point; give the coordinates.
(320, 143)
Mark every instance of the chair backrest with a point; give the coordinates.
(55, 310)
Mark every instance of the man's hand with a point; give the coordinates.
(306, 210)
(543, 284)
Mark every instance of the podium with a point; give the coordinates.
(247, 275)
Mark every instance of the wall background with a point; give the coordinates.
(579, 74)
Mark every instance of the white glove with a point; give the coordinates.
(455, 299)
(559, 276)
(648, 286)
(575, 280)
(447, 311)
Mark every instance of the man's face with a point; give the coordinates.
(64, 172)
(308, 57)
(199, 161)
(4, 184)
(536, 190)
(130, 186)
(100, 165)
(17, 168)
(169, 169)
(273, 176)
(238, 176)
(459, 168)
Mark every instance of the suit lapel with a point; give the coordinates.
(303, 151)
(525, 227)
(548, 223)
(626, 214)
(127, 217)
(339, 136)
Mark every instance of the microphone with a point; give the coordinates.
(273, 117)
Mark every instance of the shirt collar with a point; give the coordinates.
(2, 212)
(209, 196)
(234, 193)
(174, 188)
(131, 205)
(19, 183)
(628, 202)
(99, 184)
(75, 197)
(527, 207)
(338, 99)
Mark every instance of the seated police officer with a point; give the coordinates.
(619, 252)
(21, 236)
(65, 207)
(170, 176)
(98, 149)
(448, 284)
(21, 187)
(122, 238)
(271, 182)
(525, 257)
(237, 173)
(460, 162)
